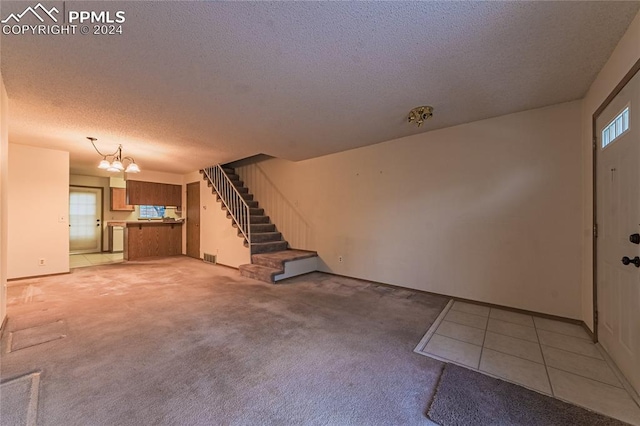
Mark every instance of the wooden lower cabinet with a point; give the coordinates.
(152, 239)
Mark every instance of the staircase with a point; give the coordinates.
(271, 258)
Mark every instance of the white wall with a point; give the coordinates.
(38, 211)
(217, 235)
(625, 55)
(4, 178)
(489, 211)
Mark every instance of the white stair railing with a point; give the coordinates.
(232, 199)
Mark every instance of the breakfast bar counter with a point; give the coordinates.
(154, 238)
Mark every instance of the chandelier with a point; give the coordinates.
(115, 162)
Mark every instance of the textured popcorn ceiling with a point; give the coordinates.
(190, 84)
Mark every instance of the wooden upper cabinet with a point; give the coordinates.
(119, 200)
(175, 195)
(154, 194)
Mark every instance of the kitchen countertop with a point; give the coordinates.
(141, 222)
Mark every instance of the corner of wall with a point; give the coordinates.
(4, 153)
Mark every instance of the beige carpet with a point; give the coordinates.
(19, 400)
(177, 341)
(21, 339)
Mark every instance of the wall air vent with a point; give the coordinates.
(210, 258)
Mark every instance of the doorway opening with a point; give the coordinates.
(616, 143)
(193, 220)
(85, 220)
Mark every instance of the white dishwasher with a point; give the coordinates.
(118, 239)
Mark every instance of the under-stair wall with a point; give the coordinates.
(290, 220)
(217, 237)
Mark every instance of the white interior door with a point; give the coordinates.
(85, 220)
(618, 212)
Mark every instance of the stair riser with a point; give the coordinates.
(268, 248)
(265, 237)
(259, 219)
(263, 228)
(270, 263)
(252, 204)
(257, 276)
(247, 197)
(256, 212)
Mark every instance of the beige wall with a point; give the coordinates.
(158, 177)
(38, 211)
(217, 235)
(4, 177)
(626, 54)
(489, 211)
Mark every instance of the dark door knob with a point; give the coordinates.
(634, 238)
(635, 261)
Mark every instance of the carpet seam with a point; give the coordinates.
(435, 393)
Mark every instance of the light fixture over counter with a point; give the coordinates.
(115, 162)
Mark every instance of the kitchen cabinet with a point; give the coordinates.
(154, 194)
(119, 200)
(152, 239)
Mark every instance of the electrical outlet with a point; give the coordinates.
(41, 262)
(340, 259)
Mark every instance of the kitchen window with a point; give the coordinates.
(151, 212)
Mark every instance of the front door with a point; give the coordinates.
(618, 213)
(85, 220)
(193, 220)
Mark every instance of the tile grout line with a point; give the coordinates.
(616, 372)
(454, 338)
(515, 356)
(586, 377)
(492, 349)
(573, 352)
(566, 335)
(470, 313)
(484, 338)
(466, 325)
(507, 335)
(511, 322)
(544, 360)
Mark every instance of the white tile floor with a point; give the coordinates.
(92, 259)
(552, 357)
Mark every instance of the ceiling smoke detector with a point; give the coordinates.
(420, 114)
